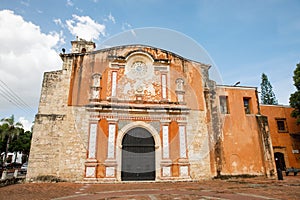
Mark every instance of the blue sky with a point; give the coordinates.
(243, 38)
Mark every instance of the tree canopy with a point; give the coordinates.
(13, 138)
(21, 143)
(295, 97)
(267, 94)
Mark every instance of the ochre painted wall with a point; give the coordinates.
(241, 142)
(283, 142)
(85, 66)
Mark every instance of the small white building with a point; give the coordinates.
(11, 157)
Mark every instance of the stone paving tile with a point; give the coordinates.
(250, 189)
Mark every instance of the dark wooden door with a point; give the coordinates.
(138, 156)
(279, 160)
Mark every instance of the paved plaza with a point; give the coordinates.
(250, 188)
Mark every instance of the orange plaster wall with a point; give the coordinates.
(80, 80)
(83, 69)
(173, 75)
(101, 152)
(195, 93)
(241, 143)
(191, 73)
(279, 139)
(103, 93)
(174, 146)
(85, 66)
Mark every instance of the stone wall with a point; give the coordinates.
(59, 142)
(198, 145)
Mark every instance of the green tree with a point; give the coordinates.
(2, 148)
(267, 94)
(9, 130)
(295, 97)
(22, 144)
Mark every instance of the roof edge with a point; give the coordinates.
(237, 87)
(152, 47)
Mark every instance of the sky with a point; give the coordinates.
(241, 39)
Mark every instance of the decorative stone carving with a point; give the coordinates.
(139, 66)
(114, 84)
(111, 141)
(90, 172)
(180, 90)
(184, 171)
(139, 69)
(96, 80)
(182, 143)
(110, 171)
(96, 86)
(92, 141)
(165, 141)
(179, 84)
(164, 86)
(166, 171)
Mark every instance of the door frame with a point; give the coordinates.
(136, 156)
(157, 147)
(280, 160)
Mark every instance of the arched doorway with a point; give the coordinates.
(279, 160)
(138, 155)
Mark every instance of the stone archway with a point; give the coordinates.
(138, 155)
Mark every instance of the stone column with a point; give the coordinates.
(183, 160)
(166, 162)
(111, 162)
(91, 162)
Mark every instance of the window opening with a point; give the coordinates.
(247, 105)
(281, 125)
(224, 105)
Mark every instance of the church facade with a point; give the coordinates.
(139, 113)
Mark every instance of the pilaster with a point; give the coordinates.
(183, 160)
(166, 162)
(111, 162)
(91, 161)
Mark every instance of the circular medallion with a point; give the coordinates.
(139, 68)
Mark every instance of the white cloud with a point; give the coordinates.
(69, 3)
(26, 123)
(58, 22)
(25, 3)
(84, 27)
(25, 54)
(126, 26)
(79, 9)
(111, 18)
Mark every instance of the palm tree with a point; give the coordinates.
(9, 129)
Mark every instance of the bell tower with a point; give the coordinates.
(82, 46)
